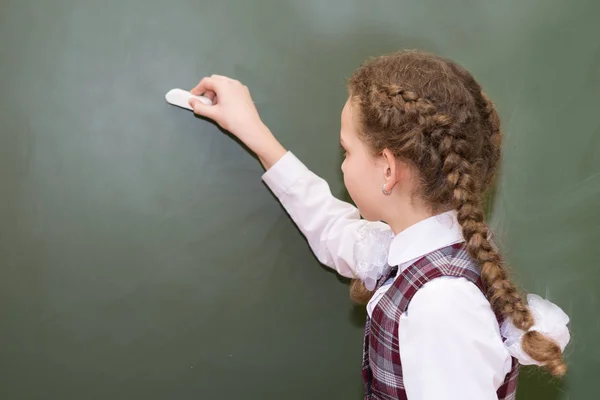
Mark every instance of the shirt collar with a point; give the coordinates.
(422, 238)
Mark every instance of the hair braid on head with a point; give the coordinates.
(392, 103)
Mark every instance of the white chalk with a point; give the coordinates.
(181, 98)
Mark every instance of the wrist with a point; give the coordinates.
(267, 148)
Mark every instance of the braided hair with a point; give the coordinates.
(431, 113)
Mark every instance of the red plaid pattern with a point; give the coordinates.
(382, 369)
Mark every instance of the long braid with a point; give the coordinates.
(453, 150)
(502, 293)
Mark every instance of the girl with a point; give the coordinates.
(422, 143)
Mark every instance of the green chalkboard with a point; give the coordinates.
(142, 257)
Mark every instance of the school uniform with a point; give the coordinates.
(428, 336)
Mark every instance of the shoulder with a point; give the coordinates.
(450, 301)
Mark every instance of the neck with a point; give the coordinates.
(407, 214)
(402, 223)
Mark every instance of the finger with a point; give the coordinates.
(210, 94)
(207, 84)
(200, 87)
(203, 109)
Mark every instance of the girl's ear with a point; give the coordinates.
(392, 169)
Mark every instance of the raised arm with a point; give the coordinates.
(337, 235)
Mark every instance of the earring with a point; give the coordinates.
(386, 192)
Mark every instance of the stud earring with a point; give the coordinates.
(386, 192)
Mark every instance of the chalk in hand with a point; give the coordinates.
(181, 98)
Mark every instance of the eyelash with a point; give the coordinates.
(343, 150)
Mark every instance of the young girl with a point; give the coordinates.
(422, 143)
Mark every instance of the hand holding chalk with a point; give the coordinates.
(234, 110)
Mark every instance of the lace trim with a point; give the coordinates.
(370, 254)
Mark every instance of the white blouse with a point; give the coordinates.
(451, 347)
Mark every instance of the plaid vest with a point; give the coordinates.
(382, 369)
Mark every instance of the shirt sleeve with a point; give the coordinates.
(450, 344)
(333, 228)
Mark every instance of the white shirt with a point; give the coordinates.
(450, 342)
